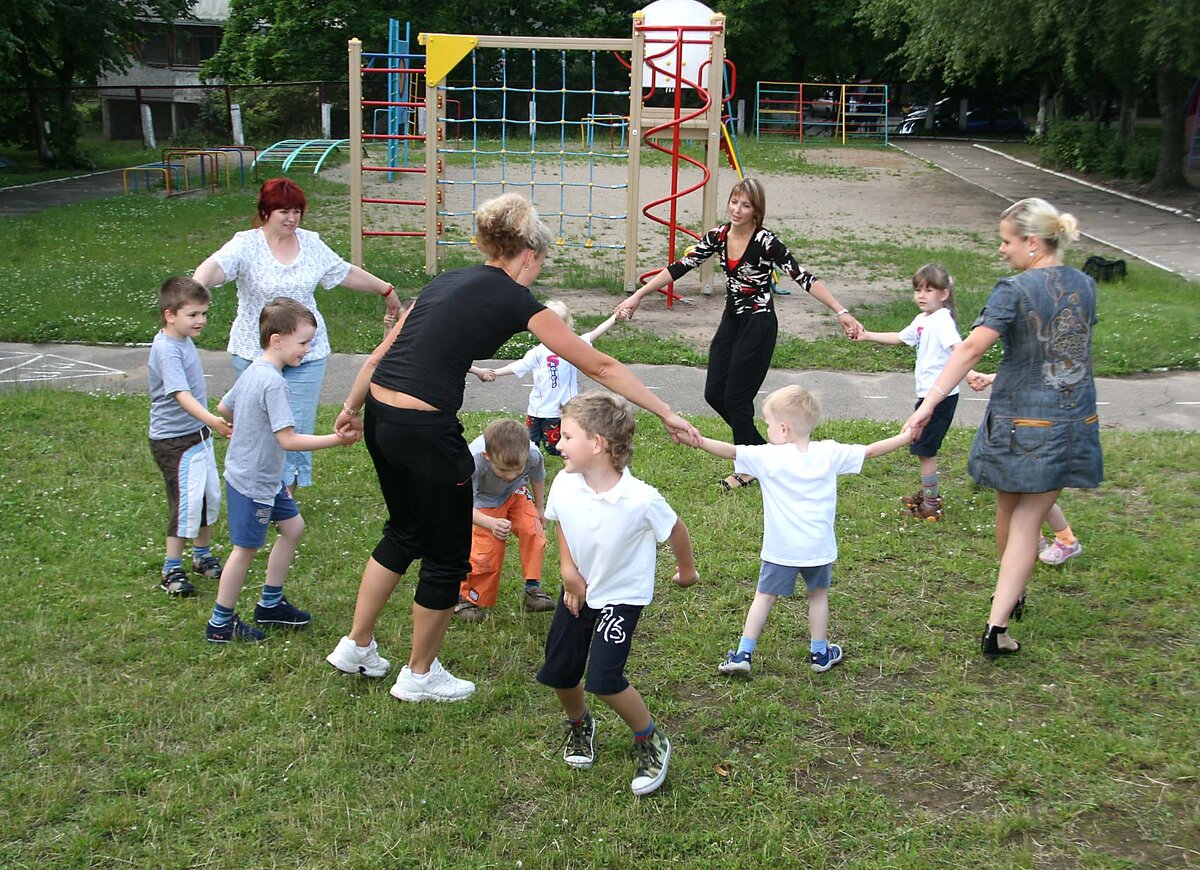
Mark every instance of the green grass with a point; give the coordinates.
(128, 741)
(105, 154)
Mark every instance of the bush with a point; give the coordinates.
(1083, 146)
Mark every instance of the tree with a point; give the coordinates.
(51, 46)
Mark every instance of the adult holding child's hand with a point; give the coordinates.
(740, 353)
(1041, 431)
(278, 258)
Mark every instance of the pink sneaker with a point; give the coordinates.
(1058, 552)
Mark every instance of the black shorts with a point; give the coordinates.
(935, 430)
(597, 641)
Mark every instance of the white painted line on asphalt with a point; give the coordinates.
(876, 397)
(1187, 403)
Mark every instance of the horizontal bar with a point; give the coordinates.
(419, 202)
(414, 169)
(414, 235)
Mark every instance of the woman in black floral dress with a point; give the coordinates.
(740, 354)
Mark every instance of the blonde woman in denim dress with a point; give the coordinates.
(1041, 431)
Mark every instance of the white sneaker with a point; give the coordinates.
(437, 685)
(350, 658)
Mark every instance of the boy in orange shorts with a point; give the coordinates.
(509, 486)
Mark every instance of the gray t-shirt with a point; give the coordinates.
(259, 400)
(174, 366)
(492, 491)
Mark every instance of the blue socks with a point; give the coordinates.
(746, 645)
(818, 646)
(221, 616)
(168, 564)
(200, 552)
(929, 485)
(271, 595)
(642, 735)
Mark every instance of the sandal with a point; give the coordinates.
(990, 643)
(737, 481)
(1018, 611)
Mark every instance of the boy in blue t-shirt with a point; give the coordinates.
(255, 495)
(181, 428)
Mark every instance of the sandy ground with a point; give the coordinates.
(888, 196)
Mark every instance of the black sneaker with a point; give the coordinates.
(207, 566)
(175, 582)
(282, 613)
(233, 630)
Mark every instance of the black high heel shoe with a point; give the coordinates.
(990, 643)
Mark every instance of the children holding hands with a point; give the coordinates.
(799, 484)
(254, 492)
(934, 333)
(608, 526)
(181, 428)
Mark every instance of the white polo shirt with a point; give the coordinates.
(613, 536)
(799, 497)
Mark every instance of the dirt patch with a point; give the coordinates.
(889, 197)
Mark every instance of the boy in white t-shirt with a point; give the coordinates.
(555, 381)
(934, 334)
(609, 524)
(799, 485)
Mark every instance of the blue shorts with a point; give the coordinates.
(597, 641)
(248, 519)
(781, 579)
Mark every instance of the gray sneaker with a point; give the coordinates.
(579, 747)
(437, 685)
(652, 756)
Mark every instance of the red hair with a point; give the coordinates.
(279, 193)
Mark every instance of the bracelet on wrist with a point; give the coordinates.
(388, 292)
(938, 389)
(353, 412)
(841, 312)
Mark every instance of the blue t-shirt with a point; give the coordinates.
(174, 367)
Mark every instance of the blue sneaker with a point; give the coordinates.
(821, 662)
(233, 630)
(282, 613)
(735, 663)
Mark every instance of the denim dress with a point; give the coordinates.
(1041, 430)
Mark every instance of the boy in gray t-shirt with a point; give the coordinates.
(509, 487)
(181, 428)
(255, 496)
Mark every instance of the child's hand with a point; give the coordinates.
(907, 432)
(487, 375)
(979, 381)
(689, 579)
(347, 422)
(573, 603)
(348, 437)
(501, 529)
(222, 427)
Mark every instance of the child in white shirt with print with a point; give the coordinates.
(799, 484)
(554, 381)
(609, 525)
(934, 333)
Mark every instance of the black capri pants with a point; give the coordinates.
(424, 470)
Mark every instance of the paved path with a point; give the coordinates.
(1161, 236)
(30, 198)
(1165, 401)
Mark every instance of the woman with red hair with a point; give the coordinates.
(277, 258)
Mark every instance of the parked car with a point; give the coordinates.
(979, 120)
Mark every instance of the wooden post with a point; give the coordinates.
(356, 185)
(637, 59)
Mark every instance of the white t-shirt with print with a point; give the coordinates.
(612, 535)
(555, 381)
(799, 497)
(934, 336)
(247, 260)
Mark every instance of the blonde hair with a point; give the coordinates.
(507, 444)
(606, 415)
(561, 309)
(509, 225)
(1036, 217)
(752, 189)
(935, 275)
(795, 406)
(282, 316)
